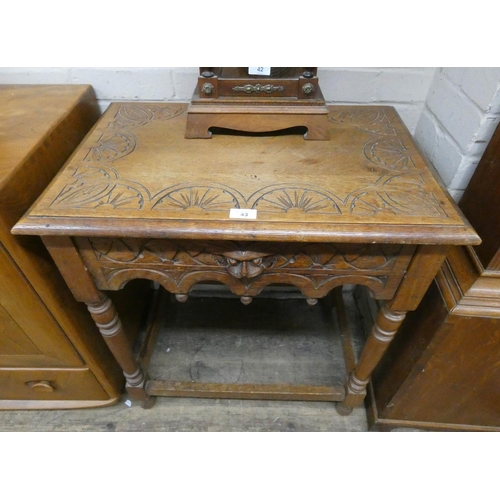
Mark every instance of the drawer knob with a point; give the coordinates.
(41, 385)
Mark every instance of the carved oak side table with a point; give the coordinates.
(138, 200)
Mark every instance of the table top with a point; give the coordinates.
(136, 175)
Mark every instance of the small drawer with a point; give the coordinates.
(50, 384)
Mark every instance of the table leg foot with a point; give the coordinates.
(384, 329)
(149, 403)
(355, 395)
(139, 395)
(343, 410)
(136, 388)
(106, 318)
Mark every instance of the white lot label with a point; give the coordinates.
(259, 71)
(242, 213)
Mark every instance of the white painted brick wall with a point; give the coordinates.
(460, 115)
(114, 84)
(404, 88)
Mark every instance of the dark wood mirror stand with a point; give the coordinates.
(231, 98)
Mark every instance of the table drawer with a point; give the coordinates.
(47, 384)
(246, 267)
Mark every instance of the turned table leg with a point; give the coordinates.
(103, 312)
(383, 331)
(108, 322)
(422, 269)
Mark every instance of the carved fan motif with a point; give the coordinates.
(391, 195)
(289, 198)
(197, 197)
(98, 187)
(111, 146)
(373, 121)
(101, 187)
(138, 115)
(388, 153)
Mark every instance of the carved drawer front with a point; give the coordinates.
(245, 267)
(46, 384)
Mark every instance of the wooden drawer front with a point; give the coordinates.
(246, 268)
(46, 384)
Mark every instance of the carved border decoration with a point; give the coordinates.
(374, 121)
(386, 150)
(98, 185)
(287, 198)
(101, 187)
(115, 142)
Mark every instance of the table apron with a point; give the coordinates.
(246, 267)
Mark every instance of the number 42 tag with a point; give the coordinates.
(259, 71)
(242, 213)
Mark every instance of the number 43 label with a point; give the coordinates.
(259, 71)
(242, 213)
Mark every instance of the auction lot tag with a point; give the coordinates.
(259, 71)
(242, 213)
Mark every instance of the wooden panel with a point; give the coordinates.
(35, 326)
(484, 191)
(40, 127)
(13, 340)
(403, 357)
(459, 383)
(71, 384)
(442, 370)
